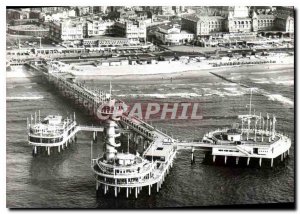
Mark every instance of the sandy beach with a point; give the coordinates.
(171, 69)
(164, 70)
(190, 73)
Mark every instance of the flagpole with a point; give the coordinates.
(263, 124)
(128, 143)
(255, 130)
(250, 101)
(91, 152)
(267, 123)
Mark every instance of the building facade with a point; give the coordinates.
(12, 14)
(133, 30)
(203, 25)
(173, 35)
(240, 19)
(57, 16)
(28, 30)
(66, 30)
(98, 27)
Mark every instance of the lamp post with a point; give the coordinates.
(39, 37)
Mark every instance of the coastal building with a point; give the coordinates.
(35, 14)
(239, 19)
(28, 30)
(96, 32)
(84, 10)
(53, 9)
(12, 14)
(25, 22)
(105, 41)
(173, 35)
(97, 26)
(166, 10)
(178, 9)
(66, 30)
(133, 30)
(48, 17)
(100, 9)
(203, 25)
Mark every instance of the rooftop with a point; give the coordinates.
(265, 16)
(167, 26)
(196, 18)
(105, 38)
(27, 27)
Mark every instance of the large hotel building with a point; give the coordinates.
(240, 19)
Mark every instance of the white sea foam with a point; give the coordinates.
(25, 98)
(277, 82)
(262, 82)
(284, 82)
(280, 98)
(183, 95)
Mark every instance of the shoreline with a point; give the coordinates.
(156, 71)
(188, 73)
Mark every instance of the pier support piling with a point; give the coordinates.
(248, 161)
(288, 151)
(281, 157)
(149, 189)
(48, 149)
(260, 159)
(271, 162)
(126, 192)
(214, 158)
(225, 159)
(237, 160)
(192, 158)
(136, 192)
(58, 149)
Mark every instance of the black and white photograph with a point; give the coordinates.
(150, 107)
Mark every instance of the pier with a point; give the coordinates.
(116, 171)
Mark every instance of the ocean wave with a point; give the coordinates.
(25, 98)
(280, 98)
(284, 82)
(277, 82)
(161, 96)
